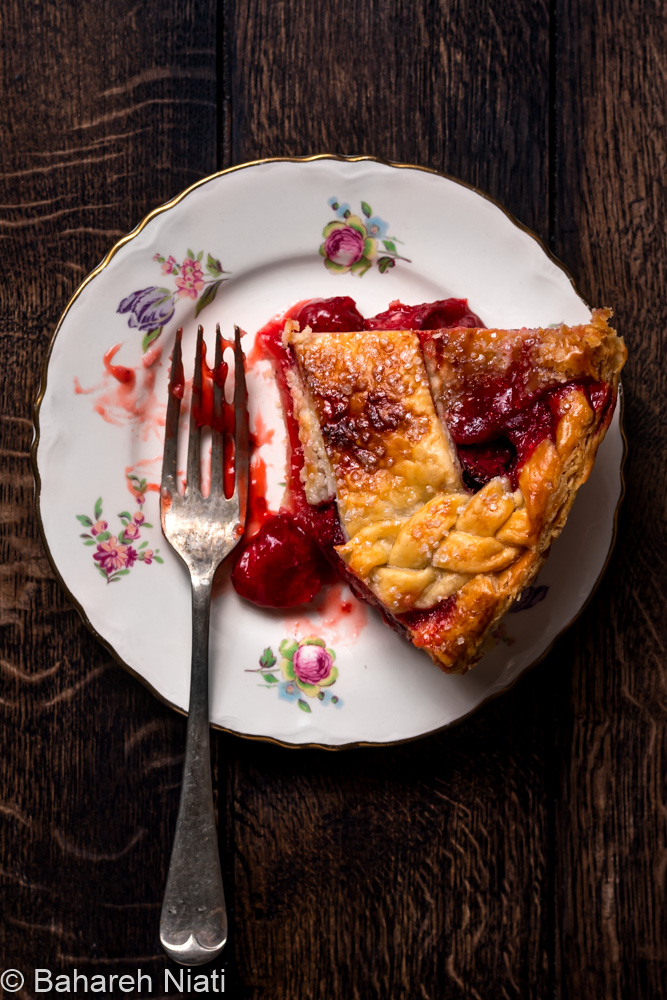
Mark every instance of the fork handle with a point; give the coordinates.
(193, 922)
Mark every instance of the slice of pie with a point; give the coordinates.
(453, 457)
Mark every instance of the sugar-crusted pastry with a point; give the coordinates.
(454, 457)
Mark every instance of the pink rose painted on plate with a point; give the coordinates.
(312, 663)
(307, 668)
(356, 243)
(344, 246)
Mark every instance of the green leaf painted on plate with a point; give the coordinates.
(358, 226)
(150, 338)
(98, 508)
(389, 245)
(208, 295)
(267, 659)
(84, 520)
(288, 647)
(366, 209)
(304, 706)
(213, 266)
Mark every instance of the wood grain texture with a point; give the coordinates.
(522, 853)
(610, 225)
(102, 120)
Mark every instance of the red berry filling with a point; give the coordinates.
(281, 567)
(444, 313)
(495, 424)
(336, 315)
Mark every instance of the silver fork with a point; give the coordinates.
(203, 530)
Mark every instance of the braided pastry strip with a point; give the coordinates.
(418, 561)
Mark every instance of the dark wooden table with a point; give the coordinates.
(521, 854)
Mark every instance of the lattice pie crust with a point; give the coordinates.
(373, 408)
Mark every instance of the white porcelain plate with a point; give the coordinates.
(241, 247)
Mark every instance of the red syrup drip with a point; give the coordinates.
(281, 564)
(122, 374)
(438, 315)
(203, 408)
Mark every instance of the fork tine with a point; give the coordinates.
(241, 430)
(193, 474)
(217, 443)
(175, 393)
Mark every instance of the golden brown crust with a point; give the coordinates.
(387, 448)
(456, 359)
(444, 562)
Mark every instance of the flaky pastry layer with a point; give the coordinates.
(372, 407)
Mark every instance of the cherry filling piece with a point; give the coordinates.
(497, 424)
(438, 315)
(281, 567)
(336, 315)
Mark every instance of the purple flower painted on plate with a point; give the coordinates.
(529, 598)
(152, 308)
(148, 308)
(307, 668)
(115, 555)
(344, 246)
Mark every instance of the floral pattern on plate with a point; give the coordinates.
(351, 242)
(152, 308)
(115, 555)
(307, 668)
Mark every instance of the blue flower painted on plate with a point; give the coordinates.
(376, 227)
